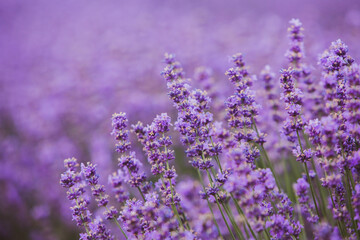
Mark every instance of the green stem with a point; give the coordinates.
(246, 232)
(347, 184)
(268, 162)
(208, 202)
(173, 206)
(321, 190)
(270, 166)
(118, 224)
(142, 195)
(267, 234)
(288, 182)
(85, 225)
(241, 212)
(210, 179)
(222, 214)
(229, 212)
(177, 216)
(212, 184)
(337, 221)
(312, 189)
(342, 223)
(216, 156)
(352, 179)
(301, 218)
(233, 222)
(308, 176)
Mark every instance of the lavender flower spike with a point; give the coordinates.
(128, 162)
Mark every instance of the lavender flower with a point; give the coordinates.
(267, 77)
(352, 106)
(117, 180)
(282, 228)
(325, 231)
(296, 52)
(149, 219)
(98, 191)
(72, 180)
(333, 62)
(97, 230)
(301, 188)
(205, 77)
(128, 161)
(157, 146)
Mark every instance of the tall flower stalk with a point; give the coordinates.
(128, 162)
(156, 145)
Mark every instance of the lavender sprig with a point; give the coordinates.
(128, 161)
(72, 180)
(156, 145)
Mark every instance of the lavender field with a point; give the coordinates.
(167, 119)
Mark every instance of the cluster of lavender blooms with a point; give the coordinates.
(237, 190)
(67, 66)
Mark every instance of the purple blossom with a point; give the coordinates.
(302, 156)
(301, 188)
(282, 228)
(325, 231)
(127, 162)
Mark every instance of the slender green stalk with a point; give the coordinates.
(348, 184)
(349, 197)
(142, 195)
(208, 202)
(118, 224)
(227, 213)
(342, 224)
(222, 214)
(216, 156)
(288, 186)
(85, 225)
(236, 204)
(211, 182)
(300, 217)
(321, 190)
(352, 179)
(337, 221)
(268, 162)
(270, 166)
(240, 211)
(308, 176)
(173, 206)
(297, 168)
(177, 216)
(246, 232)
(233, 222)
(122, 231)
(267, 234)
(323, 199)
(185, 219)
(312, 189)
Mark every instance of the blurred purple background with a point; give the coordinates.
(66, 66)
